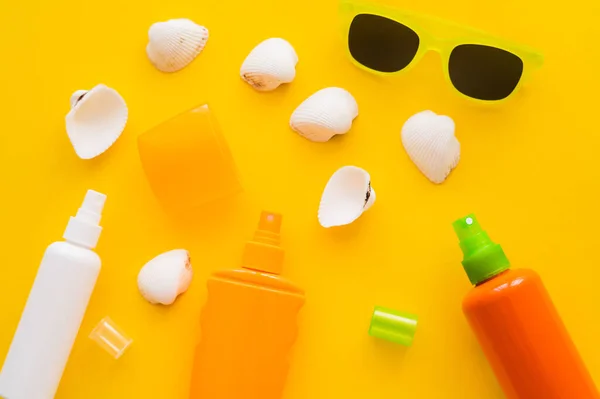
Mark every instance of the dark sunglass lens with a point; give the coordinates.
(382, 44)
(484, 72)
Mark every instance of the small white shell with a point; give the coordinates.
(270, 64)
(165, 277)
(175, 43)
(326, 113)
(75, 97)
(96, 120)
(347, 195)
(430, 143)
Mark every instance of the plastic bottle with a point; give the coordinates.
(248, 324)
(517, 326)
(55, 308)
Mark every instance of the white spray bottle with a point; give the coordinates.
(55, 308)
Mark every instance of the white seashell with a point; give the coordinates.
(326, 113)
(96, 120)
(270, 64)
(430, 143)
(347, 195)
(175, 43)
(165, 277)
(75, 97)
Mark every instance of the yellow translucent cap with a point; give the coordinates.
(187, 161)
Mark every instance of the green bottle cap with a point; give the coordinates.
(483, 259)
(392, 325)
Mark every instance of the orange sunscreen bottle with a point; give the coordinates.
(248, 324)
(517, 325)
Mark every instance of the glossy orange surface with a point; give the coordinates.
(248, 328)
(525, 340)
(187, 161)
(248, 324)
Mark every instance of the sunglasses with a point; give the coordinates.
(481, 67)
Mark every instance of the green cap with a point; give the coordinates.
(392, 325)
(483, 258)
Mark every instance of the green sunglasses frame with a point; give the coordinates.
(448, 36)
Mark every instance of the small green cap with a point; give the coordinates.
(392, 325)
(483, 259)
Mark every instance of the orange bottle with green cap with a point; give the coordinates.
(248, 324)
(517, 325)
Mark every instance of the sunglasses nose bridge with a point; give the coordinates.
(435, 44)
(434, 48)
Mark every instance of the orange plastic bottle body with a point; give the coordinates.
(524, 339)
(248, 328)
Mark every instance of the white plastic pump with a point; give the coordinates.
(84, 228)
(55, 308)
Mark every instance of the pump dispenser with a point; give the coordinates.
(263, 253)
(482, 257)
(55, 308)
(517, 325)
(84, 228)
(248, 324)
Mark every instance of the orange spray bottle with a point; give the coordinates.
(248, 324)
(517, 325)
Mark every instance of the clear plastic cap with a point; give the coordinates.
(110, 338)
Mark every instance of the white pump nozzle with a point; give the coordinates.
(84, 228)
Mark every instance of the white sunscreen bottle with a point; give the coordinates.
(57, 302)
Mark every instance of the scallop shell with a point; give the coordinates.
(270, 64)
(175, 43)
(165, 277)
(347, 195)
(96, 120)
(430, 143)
(326, 113)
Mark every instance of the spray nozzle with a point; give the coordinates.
(270, 222)
(482, 257)
(84, 228)
(263, 253)
(94, 201)
(91, 209)
(467, 227)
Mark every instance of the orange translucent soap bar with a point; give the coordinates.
(187, 161)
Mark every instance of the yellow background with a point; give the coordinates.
(529, 170)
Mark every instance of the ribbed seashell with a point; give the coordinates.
(430, 143)
(270, 64)
(165, 277)
(96, 120)
(328, 112)
(347, 195)
(175, 43)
